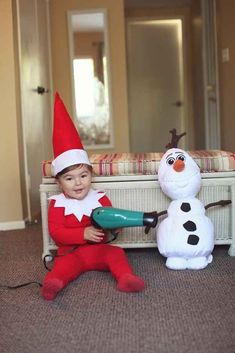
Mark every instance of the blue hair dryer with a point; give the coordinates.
(114, 218)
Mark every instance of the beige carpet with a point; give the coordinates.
(179, 312)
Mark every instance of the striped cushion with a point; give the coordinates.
(147, 163)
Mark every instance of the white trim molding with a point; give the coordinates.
(211, 75)
(12, 225)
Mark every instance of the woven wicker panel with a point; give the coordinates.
(147, 196)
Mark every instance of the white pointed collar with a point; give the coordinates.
(79, 208)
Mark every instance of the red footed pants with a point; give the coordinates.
(97, 257)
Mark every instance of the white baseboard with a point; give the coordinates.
(12, 225)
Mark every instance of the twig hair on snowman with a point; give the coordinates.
(186, 236)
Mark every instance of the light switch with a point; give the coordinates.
(225, 55)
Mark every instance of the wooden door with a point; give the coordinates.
(35, 94)
(155, 82)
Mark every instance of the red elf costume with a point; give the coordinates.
(68, 218)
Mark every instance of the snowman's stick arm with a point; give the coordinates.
(218, 203)
(162, 213)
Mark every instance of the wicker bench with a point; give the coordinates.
(130, 180)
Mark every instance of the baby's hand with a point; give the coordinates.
(93, 234)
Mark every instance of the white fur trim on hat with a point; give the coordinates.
(68, 158)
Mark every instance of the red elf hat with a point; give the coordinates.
(67, 146)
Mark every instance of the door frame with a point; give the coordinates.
(211, 75)
(149, 14)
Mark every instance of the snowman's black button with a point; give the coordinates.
(193, 239)
(190, 226)
(185, 207)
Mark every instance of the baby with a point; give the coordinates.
(81, 246)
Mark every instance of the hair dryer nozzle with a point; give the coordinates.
(150, 220)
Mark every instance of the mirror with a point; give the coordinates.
(90, 77)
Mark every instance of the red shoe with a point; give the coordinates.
(130, 283)
(51, 287)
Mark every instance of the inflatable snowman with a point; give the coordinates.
(186, 236)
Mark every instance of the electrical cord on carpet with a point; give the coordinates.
(20, 285)
(2, 286)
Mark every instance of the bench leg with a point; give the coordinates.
(231, 250)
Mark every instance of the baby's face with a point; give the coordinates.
(76, 183)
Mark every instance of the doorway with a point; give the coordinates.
(35, 86)
(156, 82)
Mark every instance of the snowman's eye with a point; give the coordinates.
(181, 157)
(170, 160)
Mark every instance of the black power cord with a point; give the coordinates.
(2, 286)
(20, 285)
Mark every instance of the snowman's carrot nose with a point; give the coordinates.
(178, 165)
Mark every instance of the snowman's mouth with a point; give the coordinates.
(181, 179)
(183, 184)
